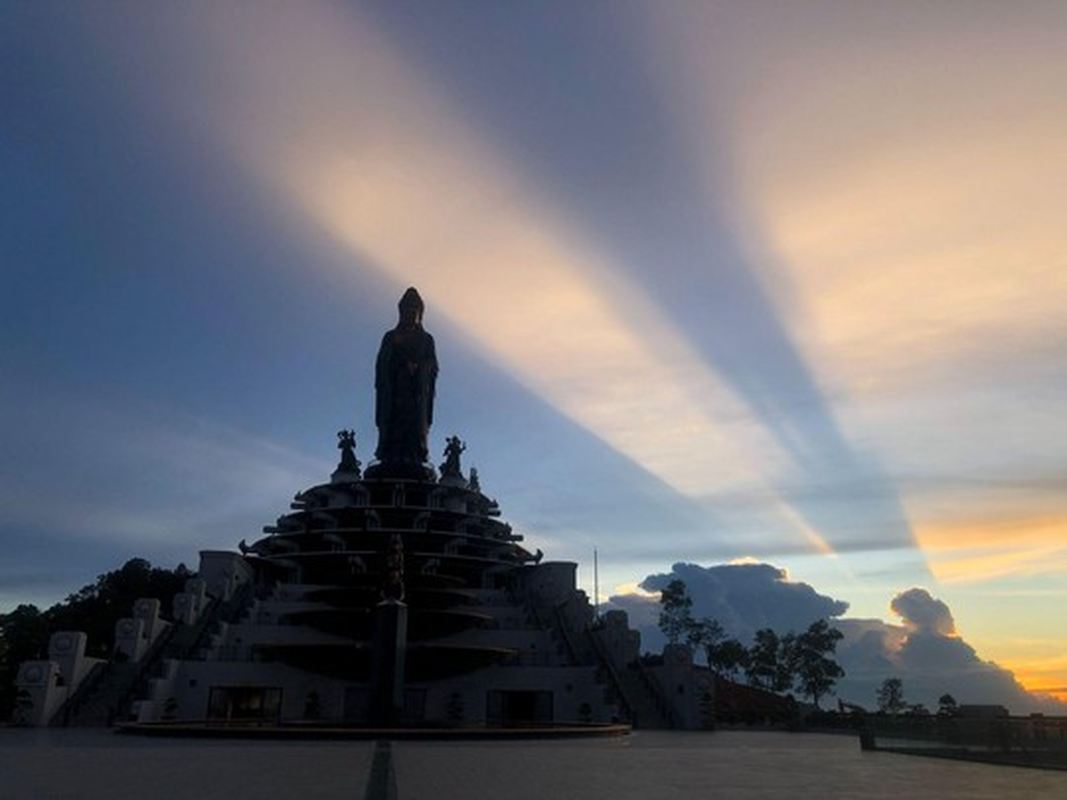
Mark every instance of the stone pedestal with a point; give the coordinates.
(130, 639)
(401, 470)
(148, 609)
(67, 650)
(387, 663)
(40, 692)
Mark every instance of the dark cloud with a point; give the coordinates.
(921, 613)
(930, 664)
(743, 597)
(865, 648)
(924, 651)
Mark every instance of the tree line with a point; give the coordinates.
(778, 663)
(890, 700)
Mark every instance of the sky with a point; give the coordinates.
(765, 285)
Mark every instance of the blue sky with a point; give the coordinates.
(709, 281)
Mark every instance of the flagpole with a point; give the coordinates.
(596, 586)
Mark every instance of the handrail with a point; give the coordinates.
(616, 678)
(70, 707)
(655, 691)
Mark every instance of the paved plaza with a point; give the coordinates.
(647, 765)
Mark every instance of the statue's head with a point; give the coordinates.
(411, 306)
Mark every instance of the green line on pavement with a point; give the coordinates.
(381, 783)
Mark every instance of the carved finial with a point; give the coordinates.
(475, 486)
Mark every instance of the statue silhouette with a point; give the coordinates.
(405, 378)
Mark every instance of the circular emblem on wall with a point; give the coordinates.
(127, 628)
(33, 673)
(63, 642)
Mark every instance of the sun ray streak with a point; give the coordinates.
(445, 211)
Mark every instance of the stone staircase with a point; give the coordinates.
(106, 697)
(640, 692)
(647, 705)
(101, 706)
(630, 687)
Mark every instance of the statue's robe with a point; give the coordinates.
(405, 377)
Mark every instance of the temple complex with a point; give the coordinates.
(387, 597)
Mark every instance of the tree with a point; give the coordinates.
(785, 670)
(815, 669)
(947, 706)
(762, 668)
(704, 634)
(727, 658)
(23, 637)
(96, 608)
(891, 696)
(675, 616)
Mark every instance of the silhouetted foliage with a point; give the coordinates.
(773, 663)
(816, 671)
(802, 661)
(23, 637)
(724, 656)
(947, 706)
(94, 609)
(97, 607)
(891, 696)
(675, 618)
(727, 658)
(785, 673)
(764, 668)
(704, 633)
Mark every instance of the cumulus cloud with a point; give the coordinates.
(922, 613)
(925, 650)
(743, 597)
(928, 655)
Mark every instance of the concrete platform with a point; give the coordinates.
(89, 764)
